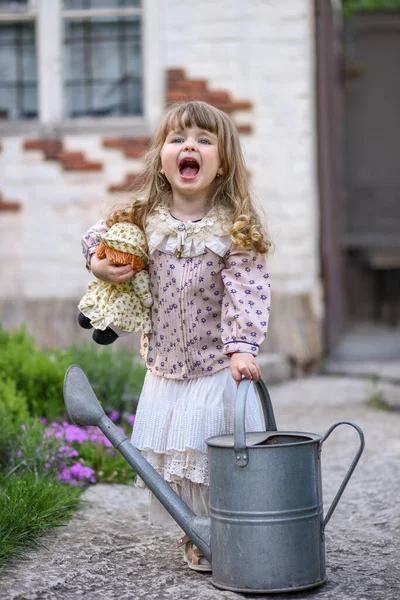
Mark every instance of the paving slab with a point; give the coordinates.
(108, 550)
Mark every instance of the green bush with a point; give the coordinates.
(108, 464)
(42, 469)
(38, 376)
(350, 7)
(29, 506)
(12, 401)
(116, 375)
(9, 431)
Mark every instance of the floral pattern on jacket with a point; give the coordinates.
(205, 306)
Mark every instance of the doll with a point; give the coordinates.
(113, 309)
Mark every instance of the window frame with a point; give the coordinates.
(51, 121)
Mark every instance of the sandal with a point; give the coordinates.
(193, 556)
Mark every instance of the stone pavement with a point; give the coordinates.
(109, 550)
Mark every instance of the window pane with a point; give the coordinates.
(103, 67)
(18, 71)
(13, 3)
(76, 4)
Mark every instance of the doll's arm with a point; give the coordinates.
(92, 239)
(141, 287)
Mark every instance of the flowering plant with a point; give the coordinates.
(78, 456)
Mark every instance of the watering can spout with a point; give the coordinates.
(84, 409)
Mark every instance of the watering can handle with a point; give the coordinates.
(239, 443)
(351, 468)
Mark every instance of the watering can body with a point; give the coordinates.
(266, 529)
(266, 508)
(266, 518)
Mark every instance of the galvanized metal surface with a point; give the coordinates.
(267, 527)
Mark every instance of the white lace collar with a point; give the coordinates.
(169, 235)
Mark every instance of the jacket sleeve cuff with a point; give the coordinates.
(89, 258)
(239, 346)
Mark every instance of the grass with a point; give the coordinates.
(30, 506)
(376, 398)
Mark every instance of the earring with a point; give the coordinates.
(219, 175)
(162, 172)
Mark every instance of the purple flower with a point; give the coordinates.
(130, 419)
(76, 474)
(114, 416)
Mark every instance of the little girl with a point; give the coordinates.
(211, 297)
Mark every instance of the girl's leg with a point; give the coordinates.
(196, 496)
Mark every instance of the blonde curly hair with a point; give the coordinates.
(230, 190)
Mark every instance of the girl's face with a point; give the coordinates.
(190, 162)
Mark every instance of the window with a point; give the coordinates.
(74, 60)
(103, 58)
(18, 68)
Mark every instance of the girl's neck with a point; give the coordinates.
(188, 210)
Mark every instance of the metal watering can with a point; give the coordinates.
(266, 527)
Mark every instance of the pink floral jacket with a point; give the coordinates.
(210, 299)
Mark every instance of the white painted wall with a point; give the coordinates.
(259, 50)
(263, 51)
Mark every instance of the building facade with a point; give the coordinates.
(82, 84)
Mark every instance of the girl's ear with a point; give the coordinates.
(220, 171)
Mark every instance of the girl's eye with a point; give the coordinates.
(204, 141)
(177, 140)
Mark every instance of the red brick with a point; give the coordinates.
(220, 96)
(75, 161)
(242, 105)
(176, 97)
(34, 145)
(174, 75)
(129, 183)
(7, 206)
(245, 129)
(132, 147)
(114, 143)
(134, 152)
(50, 148)
(198, 85)
(181, 88)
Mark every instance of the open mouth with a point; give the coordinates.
(188, 168)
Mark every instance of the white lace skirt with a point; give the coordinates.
(173, 420)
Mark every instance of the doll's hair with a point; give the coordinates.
(230, 190)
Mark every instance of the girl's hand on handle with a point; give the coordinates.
(109, 272)
(245, 365)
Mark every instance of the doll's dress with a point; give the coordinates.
(119, 306)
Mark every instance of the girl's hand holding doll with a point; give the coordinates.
(110, 272)
(244, 365)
